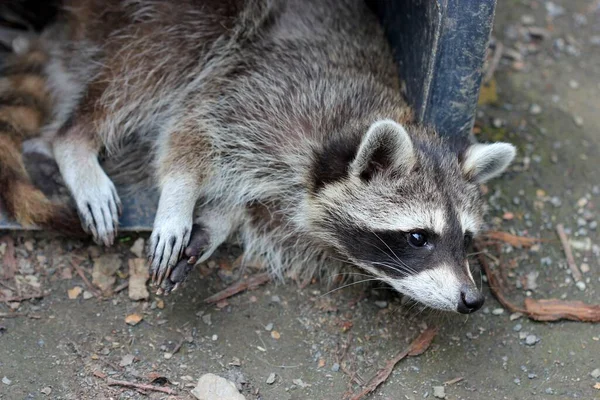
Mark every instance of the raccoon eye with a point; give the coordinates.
(417, 239)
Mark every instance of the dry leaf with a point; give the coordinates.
(103, 273)
(597, 386)
(74, 292)
(9, 262)
(138, 276)
(133, 319)
(554, 310)
(488, 93)
(160, 303)
(321, 362)
(275, 335)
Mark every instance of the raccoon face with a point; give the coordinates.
(405, 208)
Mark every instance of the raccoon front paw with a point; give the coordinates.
(166, 247)
(99, 208)
(199, 242)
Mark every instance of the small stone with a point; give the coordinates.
(593, 225)
(213, 387)
(585, 268)
(206, 319)
(515, 316)
(133, 319)
(573, 84)
(439, 392)
(532, 280)
(517, 381)
(556, 201)
(595, 373)
(28, 245)
(275, 299)
(497, 123)
(335, 367)
(87, 295)
(381, 304)
(300, 383)
(138, 248)
(517, 328)
(531, 376)
(138, 275)
(531, 340)
(535, 109)
(47, 390)
(549, 391)
(215, 338)
(168, 356)
(578, 120)
(527, 19)
(6, 381)
(271, 379)
(126, 360)
(275, 335)
(269, 327)
(498, 311)
(580, 285)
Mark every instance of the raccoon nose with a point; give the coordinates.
(470, 301)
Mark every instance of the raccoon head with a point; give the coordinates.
(405, 207)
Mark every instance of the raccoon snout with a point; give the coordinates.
(471, 299)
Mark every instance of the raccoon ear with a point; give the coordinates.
(385, 145)
(481, 162)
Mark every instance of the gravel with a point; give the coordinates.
(531, 340)
(439, 392)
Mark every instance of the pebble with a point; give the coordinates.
(580, 285)
(126, 360)
(206, 319)
(47, 390)
(556, 201)
(585, 268)
(515, 316)
(531, 340)
(275, 299)
(439, 392)
(269, 327)
(595, 373)
(535, 109)
(381, 304)
(215, 338)
(335, 367)
(213, 387)
(271, 379)
(6, 381)
(498, 311)
(517, 381)
(578, 120)
(573, 84)
(531, 376)
(517, 328)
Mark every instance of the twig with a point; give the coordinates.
(85, 279)
(11, 315)
(493, 282)
(178, 346)
(121, 287)
(23, 298)
(453, 381)
(489, 74)
(560, 229)
(8, 286)
(133, 385)
(238, 287)
(417, 347)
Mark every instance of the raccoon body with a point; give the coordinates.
(277, 121)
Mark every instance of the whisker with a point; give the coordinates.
(350, 284)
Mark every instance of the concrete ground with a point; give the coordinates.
(548, 89)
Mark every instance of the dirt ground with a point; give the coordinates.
(548, 89)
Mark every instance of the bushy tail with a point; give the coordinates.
(25, 106)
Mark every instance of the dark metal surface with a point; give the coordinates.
(440, 47)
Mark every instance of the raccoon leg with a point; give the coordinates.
(76, 150)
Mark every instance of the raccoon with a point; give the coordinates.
(279, 122)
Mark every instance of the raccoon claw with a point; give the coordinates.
(99, 213)
(199, 240)
(166, 248)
